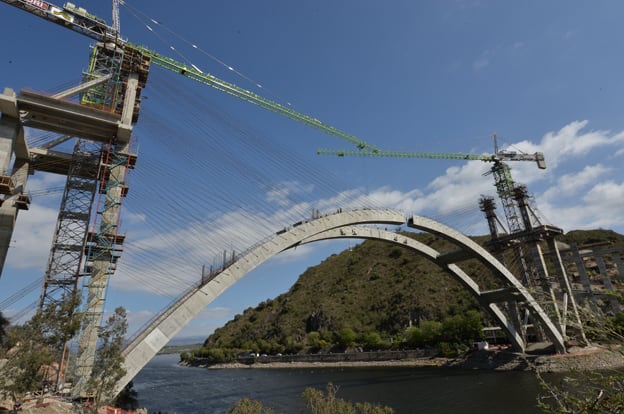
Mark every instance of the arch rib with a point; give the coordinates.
(440, 259)
(147, 344)
(497, 268)
(340, 225)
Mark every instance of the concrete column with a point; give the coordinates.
(10, 129)
(580, 267)
(564, 282)
(606, 281)
(620, 265)
(102, 266)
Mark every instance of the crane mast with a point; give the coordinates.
(116, 24)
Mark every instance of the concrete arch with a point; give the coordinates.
(157, 334)
(488, 299)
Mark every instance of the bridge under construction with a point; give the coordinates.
(98, 116)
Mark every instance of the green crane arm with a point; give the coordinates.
(79, 20)
(406, 154)
(500, 156)
(193, 73)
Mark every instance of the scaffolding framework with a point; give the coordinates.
(64, 265)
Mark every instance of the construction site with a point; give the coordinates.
(94, 149)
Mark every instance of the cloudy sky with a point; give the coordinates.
(216, 174)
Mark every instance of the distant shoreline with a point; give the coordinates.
(578, 359)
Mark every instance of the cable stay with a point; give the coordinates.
(79, 20)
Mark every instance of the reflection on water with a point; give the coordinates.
(165, 386)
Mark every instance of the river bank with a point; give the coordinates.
(577, 359)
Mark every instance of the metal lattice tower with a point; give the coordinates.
(547, 282)
(505, 187)
(64, 263)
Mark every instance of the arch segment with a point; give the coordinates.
(490, 300)
(161, 330)
(143, 347)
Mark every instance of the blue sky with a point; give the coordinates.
(215, 173)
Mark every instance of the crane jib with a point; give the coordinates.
(69, 16)
(210, 80)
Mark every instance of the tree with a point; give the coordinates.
(25, 370)
(108, 365)
(58, 321)
(317, 402)
(591, 391)
(431, 331)
(248, 406)
(463, 329)
(346, 337)
(34, 345)
(372, 341)
(320, 403)
(127, 398)
(4, 324)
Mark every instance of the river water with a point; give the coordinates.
(164, 386)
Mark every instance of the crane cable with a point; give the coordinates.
(135, 12)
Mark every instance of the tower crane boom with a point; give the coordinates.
(79, 20)
(69, 16)
(499, 156)
(505, 186)
(192, 72)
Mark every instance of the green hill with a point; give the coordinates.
(374, 288)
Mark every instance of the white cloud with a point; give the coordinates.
(572, 142)
(481, 62)
(573, 184)
(206, 322)
(281, 196)
(600, 207)
(167, 261)
(32, 238)
(453, 195)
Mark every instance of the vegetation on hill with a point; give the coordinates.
(588, 237)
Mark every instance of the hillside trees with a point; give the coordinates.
(595, 391)
(31, 347)
(108, 366)
(4, 324)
